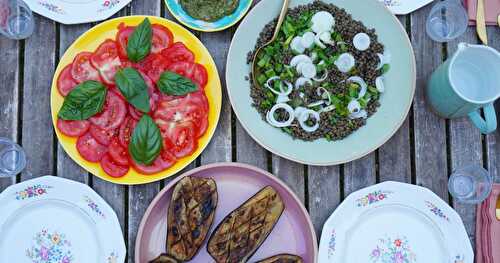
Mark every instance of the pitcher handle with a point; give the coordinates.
(489, 123)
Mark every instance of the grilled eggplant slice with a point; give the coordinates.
(242, 232)
(190, 216)
(283, 258)
(163, 258)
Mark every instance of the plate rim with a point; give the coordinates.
(267, 174)
(145, 179)
(85, 190)
(358, 155)
(209, 30)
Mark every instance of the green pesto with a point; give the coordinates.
(209, 10)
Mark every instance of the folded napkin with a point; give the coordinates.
(488, 229)
(492, 10)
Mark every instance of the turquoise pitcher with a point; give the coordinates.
(466, 83)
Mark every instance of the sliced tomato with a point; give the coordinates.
(179, 137)
(82, 70)
(115, 111)
(153, 65)
(65, 82)
(162, 38)
(126, 63)
(183, 68)
(104, 137)
(178, 52)
(200, 75)
(73, 128)
(164, 161)
(126, 130)
(112, 168)
(90, 149)
(118, 152)
(122, 37)
(106, 60)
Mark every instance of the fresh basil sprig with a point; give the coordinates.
(172, 83)
(133, 87)
(146, 141)
(139, 43)
(84, 101)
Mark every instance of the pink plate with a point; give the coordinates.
(293, 234)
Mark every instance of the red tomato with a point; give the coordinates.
(83, 70)
(153, 65)
(164, 161)
(162, 38)
(106, 60)
(65, 82)
(178, 52)
(72, 128)
(90, 149)
(122, 36)
(112, 168)
(200, 75)
(104, 137)
(115, 111)
(183, 68)
(126, 130)
(179, 137)
(118, 152)
(126, 63)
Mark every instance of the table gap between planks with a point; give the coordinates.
(424, 151)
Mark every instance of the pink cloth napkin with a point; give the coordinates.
(492, 10)
(488, 229)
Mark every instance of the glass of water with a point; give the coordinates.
(16, 19)
(12, 158)
(447, 20)
(471, 184)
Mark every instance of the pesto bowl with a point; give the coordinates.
(178, 12)
(395, 103)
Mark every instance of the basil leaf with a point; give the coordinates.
(172, 83)
(139, 43)
(146, 141)
(133, 87)
(84, 101)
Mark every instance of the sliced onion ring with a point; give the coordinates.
(322, 78)
(379, 83)
(270, 115)
(361, 41)
(305, 116)
(354, 106)
(289, 87)
(325, 94)
(302, 81)
(345, 62)
(300, 58)
(327, 109)
(316, 103)
(358, 115)
(358, 80)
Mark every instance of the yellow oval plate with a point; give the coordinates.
(89, 41)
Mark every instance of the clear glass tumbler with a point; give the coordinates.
(16, 19)
(471, 184)
(12, 158)
(447, 20)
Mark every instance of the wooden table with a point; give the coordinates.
(423, 151)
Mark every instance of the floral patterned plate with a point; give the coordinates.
(55, 220)
(395, 223)
(77, 11)
(403, 7)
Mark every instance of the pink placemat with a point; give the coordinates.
(492, 8)
(488, 229)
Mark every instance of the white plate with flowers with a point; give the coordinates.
(395, 223)
(76, 11)
(55, 220)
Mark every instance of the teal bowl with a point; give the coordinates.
(176, 10)
(395, 102)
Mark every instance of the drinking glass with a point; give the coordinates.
(12, 158)
(447, 20)
(16, 19)
(471, 184)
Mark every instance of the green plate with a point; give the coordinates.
(395, 102)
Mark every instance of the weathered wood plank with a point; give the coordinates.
(9, 95)
(359, 174)
(248, 150)
(493, 140)
(292, 174)
(140, 196)
(465, 145)
(37, 130)
(66, 167)
(324, 194)
(430, 130)
(394, 157)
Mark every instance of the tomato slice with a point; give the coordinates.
(82, 69)
(164, 161)
(104, 137)
(122, 37)
(90, 149)
(200, 75)
(162, 38)
(178, 52)
(112, 168)
(72, 128)
(118, 152)
(126, 130)
(179, 138)
(115, 111)
(106, 60)
(65, 82)
(153, 65)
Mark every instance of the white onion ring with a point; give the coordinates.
(300, 58)
(358, 115)
(345, 62)
(305, 116)
(270, 115)
(358, 80)
(325, 94)
(302, 81)
(361, 41)
(317, 103)
(282, 91)
(379, 83)
(354, 106)
(327, 109)
(322, 78)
